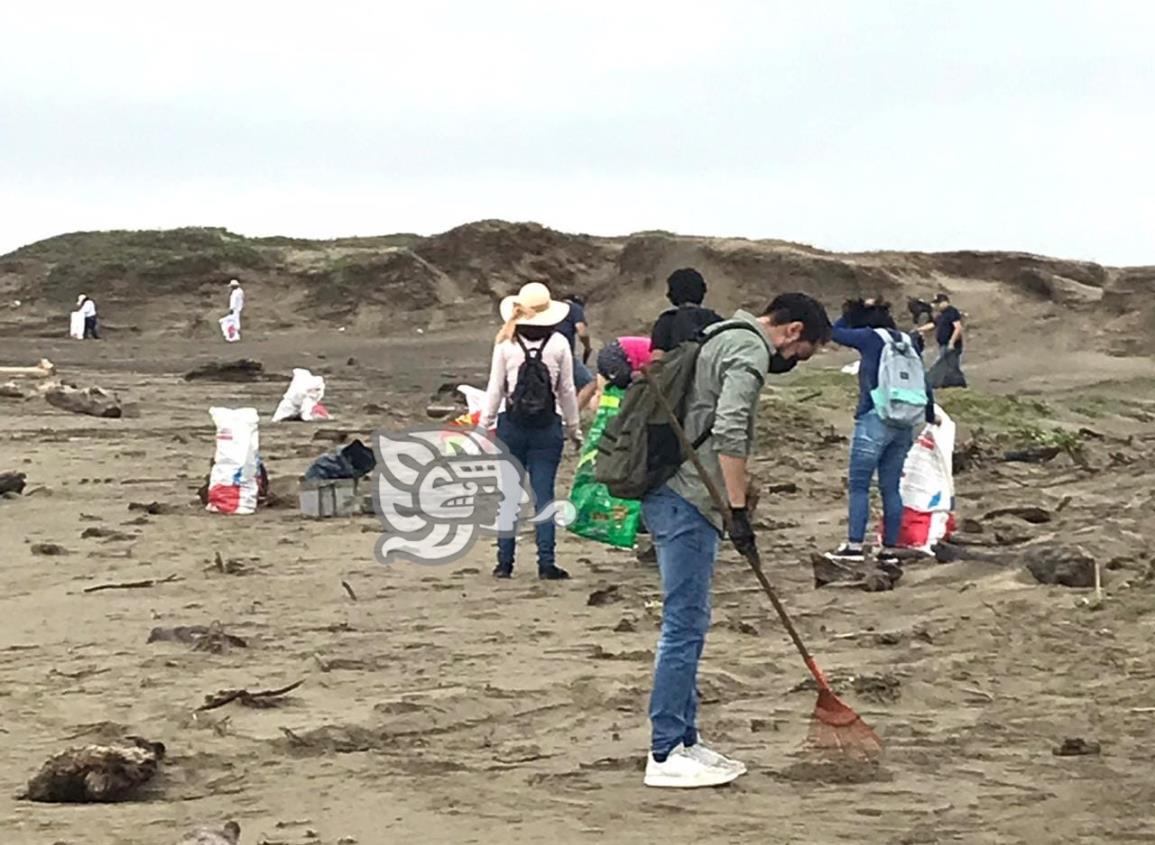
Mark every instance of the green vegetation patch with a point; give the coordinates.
(993, 410)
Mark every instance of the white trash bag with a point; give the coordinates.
(474, 400)
(76, 325)
(928, 474)
(302, 400)
(233, 482)
(231, 327)
(927, 487)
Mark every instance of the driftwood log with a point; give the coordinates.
(45, 369)
(230, 834)
(96, 773)
(243, 369)
(11, 482)
(261, 699)
(93, 401)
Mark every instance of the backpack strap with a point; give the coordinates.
(529, 350)
(703, 337)
(898, 338)
(725, 326)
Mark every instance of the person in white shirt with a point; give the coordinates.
(236, 299)
(532, 372)
(231, 324)
(88, 311)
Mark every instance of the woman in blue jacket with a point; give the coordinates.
(877, 445)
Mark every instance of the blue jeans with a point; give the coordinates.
(539, 451)
(687, 545)
(877, 446)
(581, 373)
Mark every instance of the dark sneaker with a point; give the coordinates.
(502, 571)
(553, 573)
(890, 564)
(845, 554)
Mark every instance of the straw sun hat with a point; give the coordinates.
(535, 307)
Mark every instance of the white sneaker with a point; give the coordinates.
(710, 757)
(685, 771)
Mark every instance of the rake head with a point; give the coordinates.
(836, 731)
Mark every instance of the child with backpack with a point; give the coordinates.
(894, 399)
(532, 372)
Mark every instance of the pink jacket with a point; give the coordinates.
(507, 360)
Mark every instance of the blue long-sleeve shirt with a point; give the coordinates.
(870, 346)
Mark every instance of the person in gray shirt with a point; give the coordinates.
(723, 400)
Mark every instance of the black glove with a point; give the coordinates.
(741, 531)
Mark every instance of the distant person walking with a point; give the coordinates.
(532, 371)
(88, 311)
(686, 289)
(574, 329)
(231, 322)
(889, 409)
(948, 330)
(236, 299)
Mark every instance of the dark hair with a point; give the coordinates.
(535, 332)
(574, 297)
(942, 297)
(686, 286)
(859, 315)
(920, 310)
(800, 308)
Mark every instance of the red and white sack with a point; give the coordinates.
(302, 400)
(927, 487)
(311, 407)
(231, 327)
(233, 483)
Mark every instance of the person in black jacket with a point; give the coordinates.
(685, 289)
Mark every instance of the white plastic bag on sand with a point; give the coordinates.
(233, 482)
(928, 487)
(474, 399)
(76, 325)
(928, 474)
(311, 407)
(302, 400)
(231, 327)
(851, 369)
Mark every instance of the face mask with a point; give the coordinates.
(780, 364)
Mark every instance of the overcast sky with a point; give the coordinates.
(849, 125)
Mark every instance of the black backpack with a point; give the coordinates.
(639, 450)
(533, 404)
(689, 319)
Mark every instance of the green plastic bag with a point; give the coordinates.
(600, 516)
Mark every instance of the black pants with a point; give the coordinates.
(90, 328)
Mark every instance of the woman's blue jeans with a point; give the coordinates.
(877, 447)
(539, 451)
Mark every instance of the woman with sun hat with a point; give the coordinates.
(532, 374)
